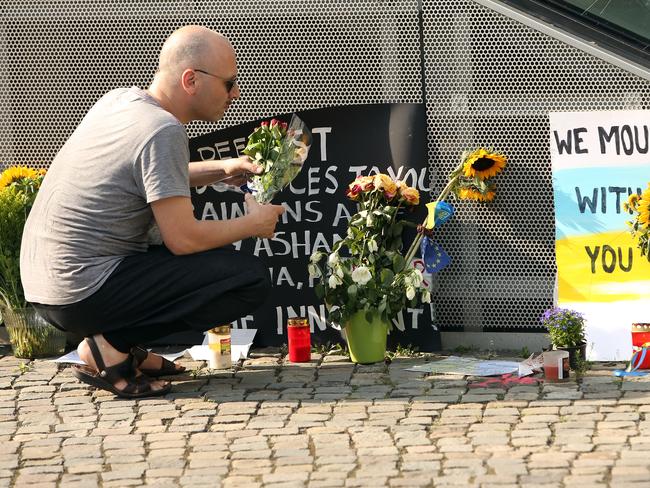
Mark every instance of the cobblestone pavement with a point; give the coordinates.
(326, 423)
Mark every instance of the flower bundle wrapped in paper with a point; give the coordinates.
(281, 149)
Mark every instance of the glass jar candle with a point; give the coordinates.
(299, 340)
(219, 344)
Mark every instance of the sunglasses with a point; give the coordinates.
(229, 83)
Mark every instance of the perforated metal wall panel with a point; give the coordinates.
(493, 81)
(488, 80)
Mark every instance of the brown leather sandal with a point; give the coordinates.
(168, 368)
(105, 378)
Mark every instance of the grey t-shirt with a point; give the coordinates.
(93, 207)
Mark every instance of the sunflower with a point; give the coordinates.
(16, 173)
(631, 203)
(643, 207)
(472, 193)
(483, 164)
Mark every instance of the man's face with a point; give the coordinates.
(216, 88)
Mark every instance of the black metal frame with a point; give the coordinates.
(607, 35)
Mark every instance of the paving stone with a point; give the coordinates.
(304, 426)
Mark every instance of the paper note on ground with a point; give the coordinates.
(467, 367)
(241, 342)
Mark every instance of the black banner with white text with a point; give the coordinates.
(347, 142)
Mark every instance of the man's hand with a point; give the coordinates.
(265, 217)
(233, 171)
(238, 170)
(183, 234)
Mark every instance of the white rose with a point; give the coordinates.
(314, 271)
(334, 281)
(426, 296)
(417, 278)
(410, 293)
(372, 246)
(333, 259)
(361, 275)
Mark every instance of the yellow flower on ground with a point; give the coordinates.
(474, 194)
(483, 164)
(16, 173)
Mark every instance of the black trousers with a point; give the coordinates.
(155, 294)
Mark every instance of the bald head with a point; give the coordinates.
(192, 46)
(197, 73)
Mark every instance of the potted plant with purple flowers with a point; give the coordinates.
(566, 329)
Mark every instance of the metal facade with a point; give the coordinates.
(487, 80)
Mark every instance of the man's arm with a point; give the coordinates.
(183, 234)
(207, 172)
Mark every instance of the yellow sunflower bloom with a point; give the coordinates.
(632, 201)
(483, 164)
(16, 173)
(470, 193)
(643, 207)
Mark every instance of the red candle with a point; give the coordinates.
(299, 340)
(551, 372)
(641, 336)
(556, 366)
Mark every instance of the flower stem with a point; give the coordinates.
(418, 237)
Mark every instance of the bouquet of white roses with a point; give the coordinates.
(366, 270)
(281, 149)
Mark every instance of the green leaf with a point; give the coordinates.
(372, 293)
(398, 263)
(387, 276)
(319, 289)
(335, 316)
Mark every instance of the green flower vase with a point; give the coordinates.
(366, 340)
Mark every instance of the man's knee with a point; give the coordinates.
(247, 274)
(261, 279)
